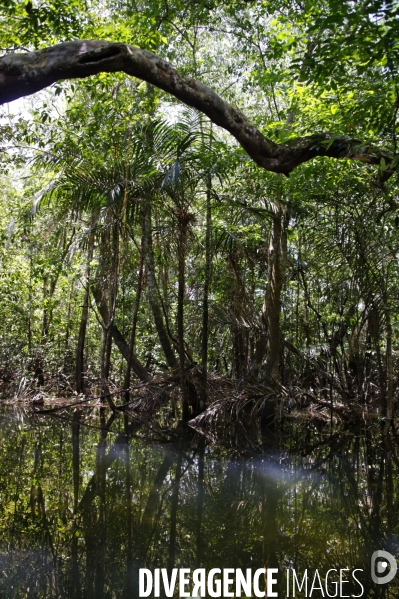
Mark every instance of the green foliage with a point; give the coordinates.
(25, 23)
(87, 157)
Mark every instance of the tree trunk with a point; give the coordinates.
(75, 582)
(239, 333)
(49, 286)
(277, 263)
(273, 300)
(108, 276)
(260, 345)
(106, 346)
(153, 294)
(45, 316)
(181, 247)
(134, 324)
(271, 494)
(68, 319)
(117, 336)
(173, 513)
(389, 365)
(129, 586)
(205, 300)
(101, 490)
(79, 365)
(200, 501)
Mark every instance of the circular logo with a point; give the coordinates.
(383, 567)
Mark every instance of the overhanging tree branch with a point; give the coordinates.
(22, 74)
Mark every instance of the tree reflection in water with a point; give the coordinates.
(85, 503)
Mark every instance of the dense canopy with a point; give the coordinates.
(139, 240)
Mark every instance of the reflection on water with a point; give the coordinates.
(82, 508)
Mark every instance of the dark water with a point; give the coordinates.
(82, 509)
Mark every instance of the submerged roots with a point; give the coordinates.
(234, 407)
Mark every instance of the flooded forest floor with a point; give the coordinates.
(91, 490)
(87, 497)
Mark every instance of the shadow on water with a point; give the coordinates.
(85, 503)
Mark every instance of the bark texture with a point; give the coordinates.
(22, 74)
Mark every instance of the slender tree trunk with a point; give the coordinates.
(117, 336)
(277, 263)
(91, 524)
(109, 269)
(49, 286)
(173, 514)
(205, 300)
(389, 365)
(101, 472)
(239, 336)
(68, 318)
(107, 353)
(270, 498)
(153, 294)
(134, 324)
(79, 365)
(200, 500)
(260, 345)
(129, 586)
(273, 301)
(148, 521)
(374, 327)
(391, 504)
(45, 317)
(181, 247)
(104, 367)
(30, 298)
(75, 582)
